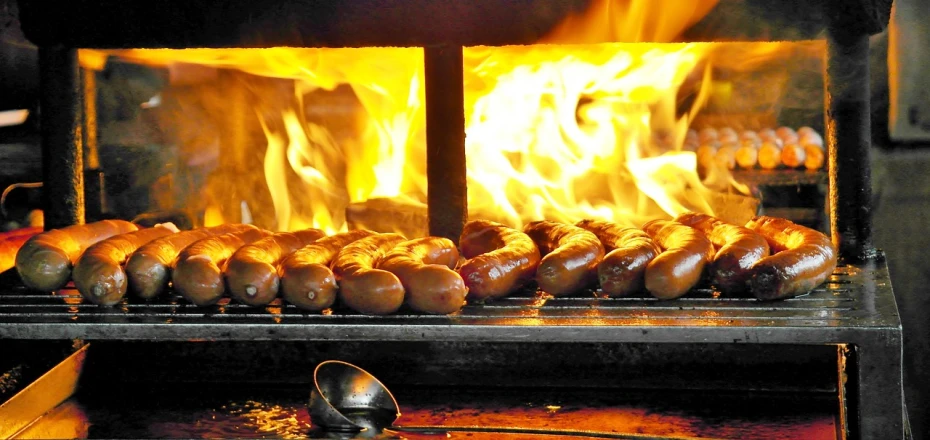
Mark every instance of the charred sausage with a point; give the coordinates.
(738, 249)
(198, 273)
(629, 251)
(803, 259)
(306, 279)
(424, 267)
(99, 274)
(500, 259)
(362, 287)
(680, 265)
(45, 261)
(570, 256)
(149, 267)
(252, 272)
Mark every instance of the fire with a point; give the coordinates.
(579, 127)
(555, 131)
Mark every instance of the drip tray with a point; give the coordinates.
(255, 390)
(232, 411)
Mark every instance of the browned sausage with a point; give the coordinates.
(802, 259)
(149, 267)
(679, 267)
(362, 287)
(424, 267)
(45, 261)
(738, 248)
(198, 273)
(99, 274)
(500, 259)
(570, 256)
(306, 279)
(629, 250)
(252, 272)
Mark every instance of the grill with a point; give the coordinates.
(854, 309)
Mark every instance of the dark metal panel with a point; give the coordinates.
(848, 136)
(62, 160)
(447, 205)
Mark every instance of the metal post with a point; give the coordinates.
(62, 160)
(94, 195)
(445, 141)
(849, 139)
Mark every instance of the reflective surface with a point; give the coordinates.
(235, 412)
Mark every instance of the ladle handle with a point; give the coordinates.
(441, 430)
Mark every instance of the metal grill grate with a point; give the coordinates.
(853, 298)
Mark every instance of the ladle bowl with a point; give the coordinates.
(348, 398)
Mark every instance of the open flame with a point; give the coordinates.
(579, 127)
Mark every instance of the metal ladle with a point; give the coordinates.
(347, 399)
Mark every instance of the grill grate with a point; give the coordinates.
(853, 298)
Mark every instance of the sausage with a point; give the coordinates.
(306, 279)
(793, 155)
(424, 267)
(45, 261)
(252, 272)
(500, 259)
(198, 273)
(770, 155)
(99, 275)
(629, 251)
(679, 267)
(738, 249)
(362, 287)
(149, 267)
(570, 256)
(803, 259)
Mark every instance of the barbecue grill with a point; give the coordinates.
(855, 310)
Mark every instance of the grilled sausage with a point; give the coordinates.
(738, 248)
(198, 273)
(629, 251)
(306, 279)
(424, 267)
(803, 259)
(770, 155)
(99, 274)
(252, 272)
(362, 287)
(793, 155)
(679, 267)
(570, 256)
(149, 267)
(45, 261)
(500, 259)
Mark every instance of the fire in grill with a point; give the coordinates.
(855, 307)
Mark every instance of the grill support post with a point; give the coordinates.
(61, 106)
(94, 195)
(848, 136)
(445, 141)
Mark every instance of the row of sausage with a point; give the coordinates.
(766, 149)
(376, 273)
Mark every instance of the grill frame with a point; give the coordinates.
(855, 308)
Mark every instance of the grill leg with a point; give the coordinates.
(849, 140)
(62, 160)
(881, 396)
(445, 141)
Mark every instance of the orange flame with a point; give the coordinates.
(582, 126)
